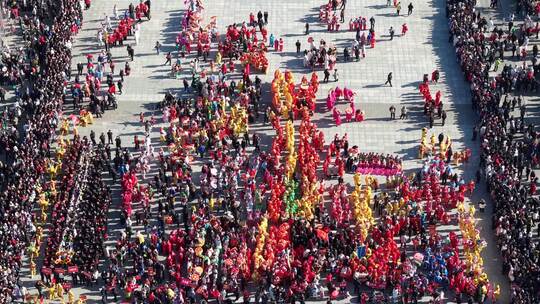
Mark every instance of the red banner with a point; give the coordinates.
(73, 269)
(59, 270)
(46, 271)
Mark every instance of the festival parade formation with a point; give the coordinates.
(261, 175)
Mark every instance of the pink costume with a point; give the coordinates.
(359, 116)
(330, 100)
(350, 112)
(404, 29)
(339, 93)
(348, 94)
(348, 115)
(337, 116)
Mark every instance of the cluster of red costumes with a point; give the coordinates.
(333, 24)
(304, 94)
(130, 193)
(379, 262)
(256, 57)
(327, 15)
(339, 161)
(334, 95)
(358, 24)
(121, 32)
(141, 10)
(301, 97)
(429, 101)
(340, 209)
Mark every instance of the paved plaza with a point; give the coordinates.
(423, 49)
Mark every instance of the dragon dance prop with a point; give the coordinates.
(360, 200)
(286, 97)
(258, 259)
(296, 190)
(256, 57)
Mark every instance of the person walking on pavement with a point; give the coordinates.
(346, 54)
(522, 111)
(482, 205)
(392, 112)
(389, 79)
(336, 75)
(93, 137)
(404, 29)
(110, 137)
(168, 57)
(342, 15)
(259, 17)
(498, 61)
(443, 116)
(102, 139)
(307, 28)
(157, 47)
(398, 8)
(131, 52)
(403, 113)
(372, 23)
(410, 7)
(326, 75)
(265, 15)
(80, 68)
(392, 32)
(266, 115)
(431, 120)
(298, 45)
(120, 86)
(118, 142)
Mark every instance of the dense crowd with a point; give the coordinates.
(29, 126)
(250, 215)
(99, 80)
(79, 213)
(509, 145)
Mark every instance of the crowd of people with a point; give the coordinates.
(103, 81)
(362, 26)
(39, 72)
(250, 215)
(260, 216)
(509, 145)
(280, 233)
(78, 216)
